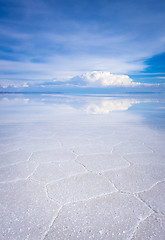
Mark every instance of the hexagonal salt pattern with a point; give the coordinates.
(155, 197)
(78, 188)
(94, 148)
(102, 162)
(13, 157)
(38, 144)
(146, 158)
(152, 227)
(68, 174)
(136, 178)
(18, 171)
(158, 147)
(47, 172)
(55, 155)
(26, 211)
(131, 147)
(108, 217)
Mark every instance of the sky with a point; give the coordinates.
(99, 43)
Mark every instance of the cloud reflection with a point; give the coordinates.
(87, 104)
(107, 106)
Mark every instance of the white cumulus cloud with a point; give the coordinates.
(102, 79)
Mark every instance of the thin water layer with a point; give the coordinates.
(82, 167)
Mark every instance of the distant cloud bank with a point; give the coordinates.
(90, 80)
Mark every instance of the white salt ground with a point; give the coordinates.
(67, 172)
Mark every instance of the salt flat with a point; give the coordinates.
(82, 167)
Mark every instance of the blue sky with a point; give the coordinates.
(48, 40)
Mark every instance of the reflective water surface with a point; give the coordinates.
(48, 105)
(82, 167)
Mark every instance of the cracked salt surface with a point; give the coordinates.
(94, 148)
(57, 155)
(155, 197)
(131, 147)
(157, 147)
(146, 159)
(152, 227)
(66, 173)
(136, 178)
(25, 210)
(103, 162)
(17, 171)
(38, 144)
(78, 188)
(10, 158)
(107, 217)
(54, 171)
